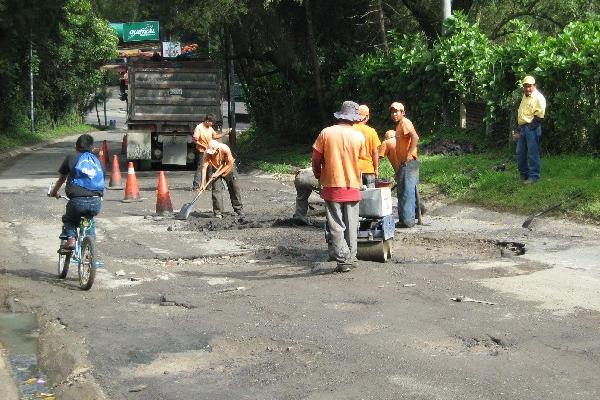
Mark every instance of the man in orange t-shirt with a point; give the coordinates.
(369, 165)
(218, 155)
(407, 168)
(203, 133)
(335, 158)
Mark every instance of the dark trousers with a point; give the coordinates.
(78, 207)
(198, 169)
(234, 192)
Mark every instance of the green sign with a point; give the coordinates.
(118, 26)
(141, 31)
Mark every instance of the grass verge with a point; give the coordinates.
(11, 141)
(473, 178)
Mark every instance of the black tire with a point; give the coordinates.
(87, 264)
(64, 258)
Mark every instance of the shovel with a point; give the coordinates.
(187, 208)
(529, 219)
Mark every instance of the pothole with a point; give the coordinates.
(508, 248)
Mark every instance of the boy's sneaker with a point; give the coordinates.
(218, 215)
(70, 243)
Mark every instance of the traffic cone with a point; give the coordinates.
(163, 197)
(132, 192)
(124, 144)
(115, 175)
(102, 157)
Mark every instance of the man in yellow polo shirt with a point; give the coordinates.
(407, 165)
(335, 163)
(369, 165)
(532, 111)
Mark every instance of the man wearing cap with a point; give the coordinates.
(529, 131)
(405, 164)
(219, 157)
(335, 158)
(369, 165)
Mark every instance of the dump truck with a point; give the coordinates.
(167, 99)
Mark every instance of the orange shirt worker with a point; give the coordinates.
(369, 165)
(407, 165)
(203, 134)
(335, 160)
(219, 157)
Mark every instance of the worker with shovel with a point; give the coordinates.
(219, 156)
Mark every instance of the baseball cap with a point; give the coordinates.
(528, 80)
(213, 146)
(397, 106)
(363, 110)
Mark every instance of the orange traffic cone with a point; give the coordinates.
(115, 175)
(102, 157)
(132, 192)
(163, 197)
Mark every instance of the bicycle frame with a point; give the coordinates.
(86, 225)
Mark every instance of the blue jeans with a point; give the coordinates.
(78, 207)
(528, 151)
(407, 179)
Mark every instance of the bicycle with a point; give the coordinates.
(84, 254)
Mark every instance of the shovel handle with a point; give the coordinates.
(212, 178)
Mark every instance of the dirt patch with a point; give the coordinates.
(442, 248)
(448, 147)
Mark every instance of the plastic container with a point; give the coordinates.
(375, 203)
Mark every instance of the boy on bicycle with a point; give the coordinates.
(85, 187)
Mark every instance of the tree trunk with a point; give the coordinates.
(386, 48)
(314, 60)
(97, 114)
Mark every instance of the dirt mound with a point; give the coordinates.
(448, 147)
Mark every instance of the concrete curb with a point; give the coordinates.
(7, 382)
(63, 357)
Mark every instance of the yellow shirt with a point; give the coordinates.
(341, 146)
(372, 142)
(404, 140)
(531, 106)
(202, 135)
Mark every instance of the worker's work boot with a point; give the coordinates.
(344, 267)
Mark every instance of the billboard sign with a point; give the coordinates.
(141, 31)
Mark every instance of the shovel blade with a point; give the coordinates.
(185, 211)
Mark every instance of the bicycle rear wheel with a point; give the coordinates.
(64, 258)
(87, 264)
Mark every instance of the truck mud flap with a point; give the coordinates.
(139, 146)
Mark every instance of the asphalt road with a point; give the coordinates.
(251, 310)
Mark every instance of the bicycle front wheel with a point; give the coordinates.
(64, 258)
(87, 264)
